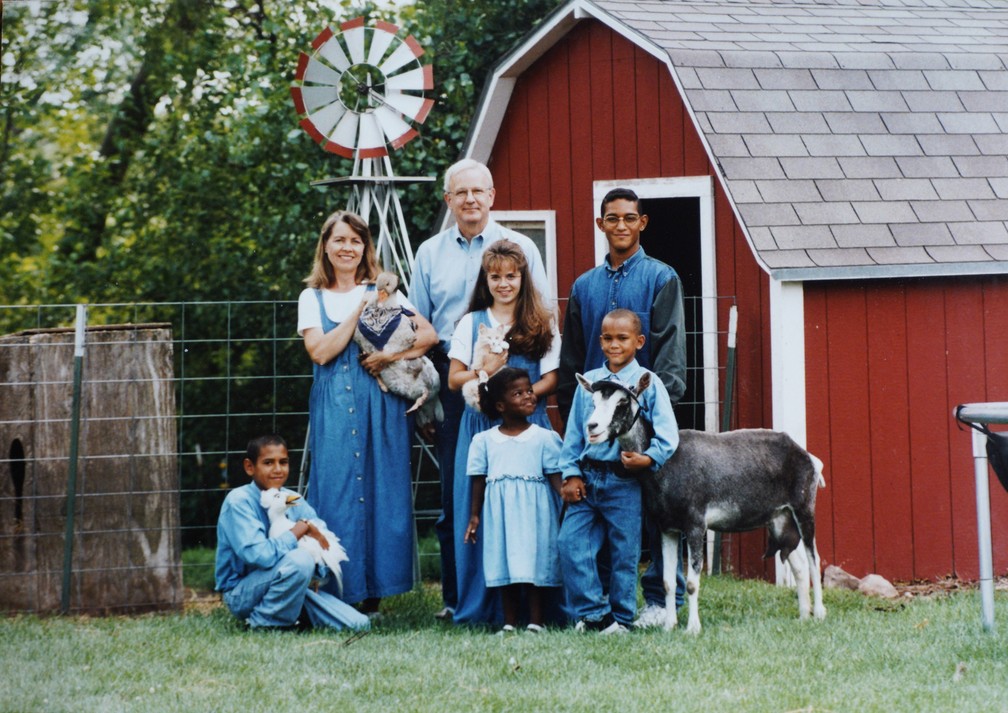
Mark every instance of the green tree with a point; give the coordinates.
(151, 152)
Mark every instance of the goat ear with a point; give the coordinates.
(584, 382)
(482, 328)
(645, 381)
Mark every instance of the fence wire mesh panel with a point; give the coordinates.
(171, 393)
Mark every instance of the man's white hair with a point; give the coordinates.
(464, 165)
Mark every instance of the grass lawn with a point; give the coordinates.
(924, 654)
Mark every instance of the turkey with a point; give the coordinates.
(385, 326)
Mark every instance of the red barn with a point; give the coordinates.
(840, 169)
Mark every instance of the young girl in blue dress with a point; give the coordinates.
(512, 468)
(504, 295)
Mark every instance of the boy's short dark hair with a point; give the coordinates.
(620, 194)
(627, 314)
(256, 445)
(493, 390)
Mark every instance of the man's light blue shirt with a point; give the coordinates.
(446, 268)
(657, 408)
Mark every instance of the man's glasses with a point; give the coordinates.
(629, 220)
(477, 193)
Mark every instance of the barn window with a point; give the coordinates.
(540, 226)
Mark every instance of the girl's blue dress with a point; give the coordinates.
(360, 473)
(475, 603)
(520, 519)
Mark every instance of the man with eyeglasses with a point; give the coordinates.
(444, 273)
(629, 279)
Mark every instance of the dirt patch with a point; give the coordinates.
(201, 602)
(944, 586)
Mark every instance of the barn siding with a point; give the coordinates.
(886, 364)
(596, 107)
(886, 360)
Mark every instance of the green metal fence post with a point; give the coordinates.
(74, 440)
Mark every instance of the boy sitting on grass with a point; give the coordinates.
(603, 497)
(265, 581)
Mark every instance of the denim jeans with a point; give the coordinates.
(610, 513)
(274, 597)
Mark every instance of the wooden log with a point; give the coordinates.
(127, 551)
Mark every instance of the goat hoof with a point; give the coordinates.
(820, 612)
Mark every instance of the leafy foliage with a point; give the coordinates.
(150, 150)
(151, 154)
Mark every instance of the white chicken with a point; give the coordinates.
(385, 326)
(276, 502)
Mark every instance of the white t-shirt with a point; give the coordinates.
(461, 344)
(338, 305)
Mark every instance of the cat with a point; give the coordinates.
(489, 340)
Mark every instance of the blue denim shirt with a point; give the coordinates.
(445, 271)
(657, 409)
(644, 285)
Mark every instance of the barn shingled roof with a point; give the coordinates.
(856, 138)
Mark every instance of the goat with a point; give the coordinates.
(727, 482)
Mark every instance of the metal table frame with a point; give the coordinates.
(993, 412)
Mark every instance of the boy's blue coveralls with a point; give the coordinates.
(264, 581)
(611, 509)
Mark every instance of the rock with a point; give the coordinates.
(836, 578)
(877, 586)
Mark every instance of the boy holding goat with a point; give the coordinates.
(602, 496)
(632, 279)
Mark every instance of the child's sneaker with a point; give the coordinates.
(536, 629)
(602, 624)
(506, 629)
(614, 628)
(653, 615)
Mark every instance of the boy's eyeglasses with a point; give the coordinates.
(629, 220)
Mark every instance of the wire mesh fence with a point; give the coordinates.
(171, 393)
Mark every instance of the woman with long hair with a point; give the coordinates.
(359, 435)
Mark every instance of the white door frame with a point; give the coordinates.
(702, 188)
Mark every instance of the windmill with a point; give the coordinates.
(360, 95)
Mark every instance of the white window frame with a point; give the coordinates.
(547, 219)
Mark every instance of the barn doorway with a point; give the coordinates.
(673, 236)
(680, 234)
